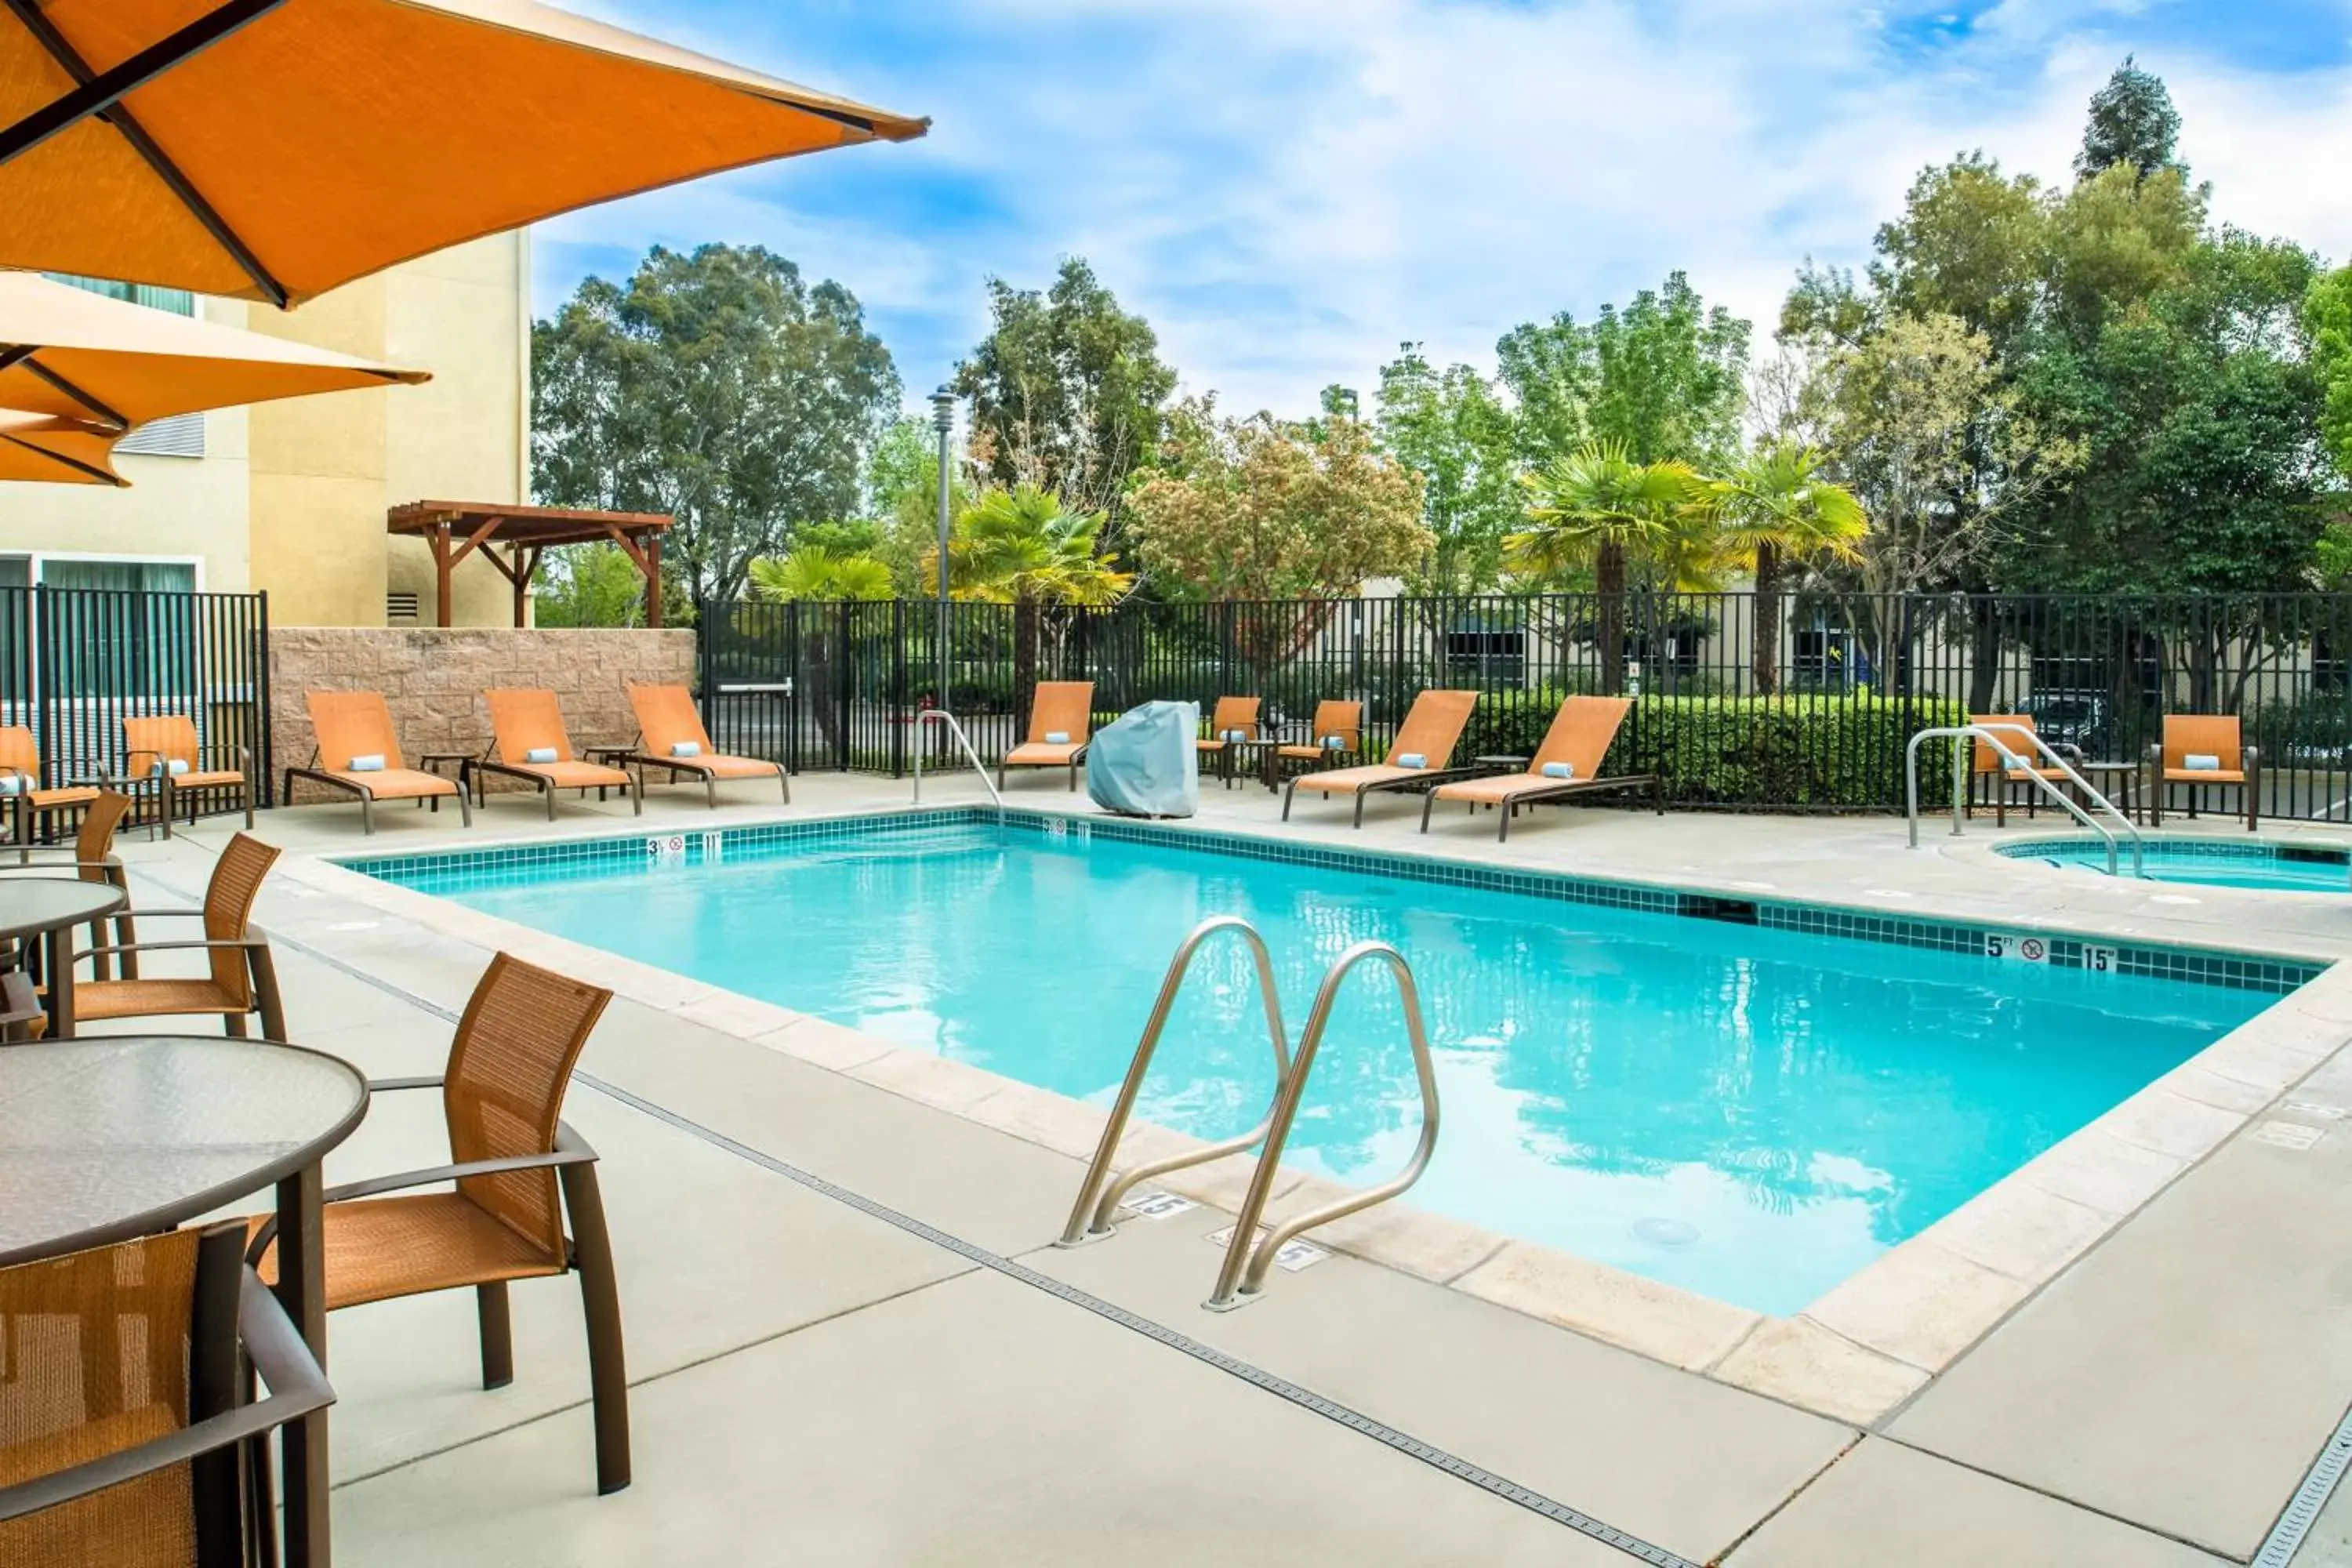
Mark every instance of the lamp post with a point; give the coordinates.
(943, 421)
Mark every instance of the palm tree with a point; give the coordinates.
(1023, 547)
(1775, 512)
(1596, 507)
(813, 572)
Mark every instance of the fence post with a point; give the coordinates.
(265, 747)
(845, 679)
(44, 675)
(897, 688)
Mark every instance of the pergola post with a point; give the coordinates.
(653, 582)
(526, 531)
(439, 539)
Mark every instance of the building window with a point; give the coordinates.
(177, 434)
(179, 302)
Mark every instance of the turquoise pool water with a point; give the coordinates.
(1744, 1111)
(2215, 863)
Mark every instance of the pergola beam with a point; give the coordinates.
(527, 532)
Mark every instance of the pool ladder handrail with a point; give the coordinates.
(942, 716)
(1242, 1277)
(1090, 1216)
(2017, 768)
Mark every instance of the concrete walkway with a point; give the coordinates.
(813, 1383)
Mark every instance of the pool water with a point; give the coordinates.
(1749, 1113)
(2215, 863)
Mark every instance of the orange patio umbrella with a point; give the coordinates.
(72, 354)
(273, 149)
(57, 451)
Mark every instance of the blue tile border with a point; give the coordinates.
(2184, 849)
(2240, 972)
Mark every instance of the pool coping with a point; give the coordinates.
(1856, 1352)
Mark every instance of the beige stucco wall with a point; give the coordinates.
(433, 679)
(325, 469)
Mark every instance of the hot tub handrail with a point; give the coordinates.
(1242, 1275)
(1090, 1216)
(2015, 766)
(942, 716)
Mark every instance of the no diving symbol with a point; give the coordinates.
(2032, 951)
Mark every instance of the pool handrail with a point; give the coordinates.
(1082, 1229)
(1242, 1277)
(942, 716)
(2015, 767)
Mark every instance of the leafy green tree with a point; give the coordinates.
(2132, 125)
(1775, 512)
(1665, 378)
(1451, 429)
(815, 573)
(1066, 390)
(1971, 243)
(590, 585)
(1599, 508)
(2327, 322)
(903, 500)
(717, 387)
(1023, 547)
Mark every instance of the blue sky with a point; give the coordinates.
(1289, 188)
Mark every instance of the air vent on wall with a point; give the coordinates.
(399, 606)
(174, 436)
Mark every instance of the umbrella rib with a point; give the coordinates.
(102, 90)
(60, 49)
(71, 390)
(93, 470)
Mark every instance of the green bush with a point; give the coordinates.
(1801, 752)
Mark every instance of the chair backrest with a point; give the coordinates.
(1433, 726)
(666, 716)
(19, 753)
(95, 842)
(1235, 713)
(1987, 759)
(1580, 734)
(353, 724)
(1062, 707)
(509, 1067)
(110, 1349)
(1344, 718)
(237, 883)
(2204, 735)
(524, 721)
(151, 743)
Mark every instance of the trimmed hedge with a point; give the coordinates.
(1802, 751)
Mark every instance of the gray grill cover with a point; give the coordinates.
(1145, 764)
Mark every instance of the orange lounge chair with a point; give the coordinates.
(1989, 764)
(1064, 708)
(668, 723)
(1236, 718)
(20, 759)
(1427, 737)
(165, 745)
(356, 726)
(1568, 763)
(1340, 722)
(2216, 735)
(527, 734)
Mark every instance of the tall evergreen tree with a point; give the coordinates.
(2131, 122)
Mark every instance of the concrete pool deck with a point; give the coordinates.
(814, 1382)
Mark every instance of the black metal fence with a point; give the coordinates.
(1800, 702)
(76, 662)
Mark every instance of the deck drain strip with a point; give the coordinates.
(2303, 1509)
(1355, 1420)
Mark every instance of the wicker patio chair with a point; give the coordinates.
(671, 735)
(1234, 720)
(92, 859)
(243, 978)
(356, 727)
(1566, 764)
(2217, 736)
(1064, 708)
(1335, 736)
(502, 1091)
(166, 745)
(20, 758)
(1424, 742)
(531, 744)
(126, 1435)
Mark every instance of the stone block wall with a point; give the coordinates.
(434, 679)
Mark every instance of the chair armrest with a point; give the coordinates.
(24, 863)
(148, 914)
(387, 1085)
(248, 942)
(571, 1149)
(298, 1386)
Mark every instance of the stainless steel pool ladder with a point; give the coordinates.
(1090, 1217)
(2016, 767)
(1247, 1259)
(942, 716)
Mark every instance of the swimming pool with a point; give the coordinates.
(2213, 862)
(1744, 1109)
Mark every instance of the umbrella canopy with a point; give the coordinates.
(273, 149)
(72, 354)
(57, 451)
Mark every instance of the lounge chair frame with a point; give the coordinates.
(488, 763)
(1413, 778)
(1078, 750)
(689, 767)
(2248, 783)
(367, 796)
(1557, 790)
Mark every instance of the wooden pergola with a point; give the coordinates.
(454, 530)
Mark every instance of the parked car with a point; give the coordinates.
(2078, 719)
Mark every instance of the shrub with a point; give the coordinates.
(1799, 752)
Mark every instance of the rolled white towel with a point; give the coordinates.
(686, 749)
(1410, 760)
(2202, 763)
(176, 766)
(1559, 770)
(1057, 737)
(368, 763)
(1334, 742)
(1233, 735)
(540, 754)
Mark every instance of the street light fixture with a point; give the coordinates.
(943, 420)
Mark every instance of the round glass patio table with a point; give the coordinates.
(105, 1139)
(49, 907)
